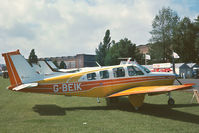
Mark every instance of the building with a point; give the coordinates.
(189, 70)
(144, 49)
(194, 69)
(78, 61)
(185, 71)
(177, 67)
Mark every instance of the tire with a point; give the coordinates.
(171, 102)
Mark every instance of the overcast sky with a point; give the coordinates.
(70, 27)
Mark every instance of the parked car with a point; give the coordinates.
(5, 74)
(196, 72)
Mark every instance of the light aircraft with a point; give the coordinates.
(132, 80)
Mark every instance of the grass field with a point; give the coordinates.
(40, 113)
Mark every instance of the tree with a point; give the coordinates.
(55, 63)
(156, 53)
(196, 28)
(122, 49)
(184, 40)
(62, 65)
(32, 57)
(163, 29)
(103, 48)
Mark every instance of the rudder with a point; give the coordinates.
(19, 70)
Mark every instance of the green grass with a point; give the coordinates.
(28, 112)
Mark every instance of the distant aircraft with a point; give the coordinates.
(53, 68)
(132, 80)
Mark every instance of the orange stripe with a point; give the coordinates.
(126, 80)
(89, 85)
(107, 82)
(131, 78)
(13, 75)
(37, 90)
(12, 53)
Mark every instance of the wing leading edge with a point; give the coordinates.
(151, 89)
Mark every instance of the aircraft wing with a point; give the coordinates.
(151, 89)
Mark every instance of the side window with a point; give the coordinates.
(104, 74)
(131, 71)
(138, 71)
(91, 76)
(118, 72)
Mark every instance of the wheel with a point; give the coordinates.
(171, 102)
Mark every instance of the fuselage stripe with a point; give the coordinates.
(101, 84)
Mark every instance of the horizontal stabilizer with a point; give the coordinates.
(151, 89)
(20, 87)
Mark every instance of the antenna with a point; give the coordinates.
(98, 64)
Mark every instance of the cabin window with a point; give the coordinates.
(91, 76)
(118, 72)
(104, 74)
(131, 71)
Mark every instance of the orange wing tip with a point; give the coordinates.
(190, 84)
(11, 53)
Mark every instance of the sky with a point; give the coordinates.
(70, 27)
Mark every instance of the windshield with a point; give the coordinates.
(144, 68)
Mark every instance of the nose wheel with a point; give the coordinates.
(171, 101)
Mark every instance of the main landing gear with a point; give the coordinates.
(112, 101)
(171, 101)
(98, 100)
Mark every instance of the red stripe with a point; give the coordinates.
(89, 85)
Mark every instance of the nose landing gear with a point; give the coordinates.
(171, 101)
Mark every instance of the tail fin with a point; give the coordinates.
(19, 70)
